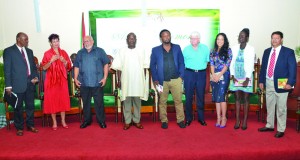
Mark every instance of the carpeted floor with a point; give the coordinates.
(193, 142)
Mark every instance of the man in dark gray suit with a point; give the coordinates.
(20, 78)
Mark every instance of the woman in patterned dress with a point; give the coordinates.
(241, 69)
(220, 59)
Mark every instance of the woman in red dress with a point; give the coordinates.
(56, 63)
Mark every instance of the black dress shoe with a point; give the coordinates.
(203, 123)
(164, 125)
(102, 125)
(244, 127)
(265, 129)
(237, 125)
(187, 123)
(279, 134)
(84, 125)
(181, 124)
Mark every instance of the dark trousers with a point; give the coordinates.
(194, 81)
(97, 93)
(28, 98)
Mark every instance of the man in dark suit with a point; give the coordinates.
(167, 69)
(21, 75)
(278, 62)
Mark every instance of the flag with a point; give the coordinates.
(82, 30)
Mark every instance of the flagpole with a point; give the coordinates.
(82, 29)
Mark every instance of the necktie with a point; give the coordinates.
(272, 64)
(23, 54)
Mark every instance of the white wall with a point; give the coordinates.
(63, 17)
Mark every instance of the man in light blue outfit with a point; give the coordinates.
(196, 56)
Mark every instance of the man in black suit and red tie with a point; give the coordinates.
(278, 62)
(21, 75)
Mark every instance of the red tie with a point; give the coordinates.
(272, 64)
(23, 54)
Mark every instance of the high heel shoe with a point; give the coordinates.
(244, 127)
(66, 126)
(237, 125)
(218, 122)
(223, 123)
(54, 128)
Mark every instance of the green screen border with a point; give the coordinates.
(213, 14)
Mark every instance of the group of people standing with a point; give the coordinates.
(170, 67)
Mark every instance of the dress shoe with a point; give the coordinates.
(66, 126)
(223, 123)
(237, 125)
(126, 126)
(32, 129)
(84, 125)
(203, 123)
(265, 129)
(218, 122)
(181, 124)
(187, 123)
(164, 125)
(279, 134)
(138, 125)
(222, 126)
(20, 133)
(244, 127)
(102, 125)
(54, 128)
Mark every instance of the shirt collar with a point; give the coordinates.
(20, 47)
(277, 49)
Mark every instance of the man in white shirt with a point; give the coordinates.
(278, 62)
(131, 64)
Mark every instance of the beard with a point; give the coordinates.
(167, 41)
(88, 47)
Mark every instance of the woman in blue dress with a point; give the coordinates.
(220, 59)
(241, 69)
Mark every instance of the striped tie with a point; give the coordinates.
(272, 64)
(23, 54)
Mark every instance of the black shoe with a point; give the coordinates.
(203, 123)
(84, 125)
(237, 125)
(164, 125)
(181, 124)
(102, 125)
(265, 129)
(279, 134)
(244, 127)
(187, 123)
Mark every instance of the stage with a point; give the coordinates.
(152, 142)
